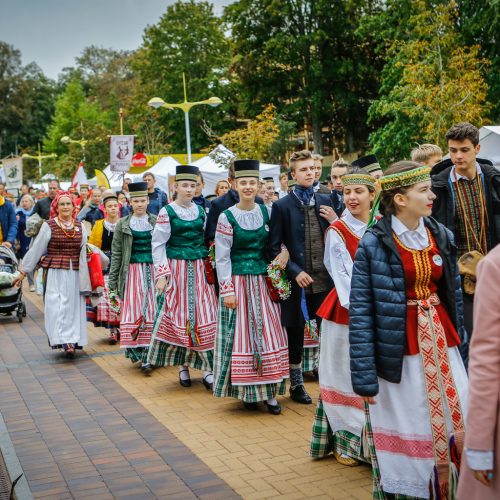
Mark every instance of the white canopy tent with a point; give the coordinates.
(162, 170)
(489, 139)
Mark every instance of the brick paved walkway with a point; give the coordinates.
(97, 426)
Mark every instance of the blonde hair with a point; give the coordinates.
(340, 163)
(424, 152)
(219, 184)
(317, 157)
(299, 156)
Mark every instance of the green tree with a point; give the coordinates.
(188, 38)
(430, 82)
(307, 58)
(75, 116)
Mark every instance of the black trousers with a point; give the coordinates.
(296, 333)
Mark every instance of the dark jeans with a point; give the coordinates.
(296, 333)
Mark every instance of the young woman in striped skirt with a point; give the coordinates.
(251, 351)
(340, 418)
(131, 276)
(187, 311)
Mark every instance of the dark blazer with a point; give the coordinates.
(287, 227)
(42, 208)
(323, 189)
(443, 209)
(218, 205)
(377, 304)
(337, 202)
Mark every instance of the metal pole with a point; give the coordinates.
(188, 137)
(121, 121)
(40, 167)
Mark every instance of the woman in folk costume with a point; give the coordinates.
(131, 276)
(405, 312)
(102, 237)
(340, 418)
(251, 354)
(185, 327)
(61, 248)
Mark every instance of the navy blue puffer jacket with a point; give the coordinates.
(377, 305)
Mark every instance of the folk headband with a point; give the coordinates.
(364, 179)
(408, 178)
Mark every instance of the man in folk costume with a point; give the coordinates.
(340, 419)
(405, 326)
(251, 355)
(298, 222)
(131, 276)
(468, 204)
(187, 310)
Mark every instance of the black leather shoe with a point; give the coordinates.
(184, 383)
(299, 395)
(250, 406)
(209, 386)
(273, 409)
(315, 374)
(147, 368)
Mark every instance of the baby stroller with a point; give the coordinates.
(10, 296)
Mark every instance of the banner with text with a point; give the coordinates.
(121, 152)
(13, 171)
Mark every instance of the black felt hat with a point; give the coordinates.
(137, 189)
(246, 168)
(368, 163)
(186, 173)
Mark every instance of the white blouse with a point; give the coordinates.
(140, 223)
(247, 219)
(337, 259)
(39, 248)
(417, 239)
(162, 232)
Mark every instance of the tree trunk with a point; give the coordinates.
(316, 132)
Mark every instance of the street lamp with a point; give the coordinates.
(82, 142)
(39, 157)
(185, 106)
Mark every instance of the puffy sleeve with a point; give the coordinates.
(161, 235)
(339, 264)
(37, 250)
(223, 244)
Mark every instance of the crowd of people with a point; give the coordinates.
(382, 285)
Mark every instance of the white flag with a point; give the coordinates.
(121, 152)
(80, 177)
(13, 171)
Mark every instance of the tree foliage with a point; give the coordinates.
(430, 82)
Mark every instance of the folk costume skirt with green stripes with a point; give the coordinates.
(186, 319)
(340, 419)
(251, 350)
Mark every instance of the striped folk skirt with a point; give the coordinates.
(138, 307)
(340, 412)
(103, 314)
(185, 326)
(251, 348)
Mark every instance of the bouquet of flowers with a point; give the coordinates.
(210, 264)
(277, 282)
(114, 301)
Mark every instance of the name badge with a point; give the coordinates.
(437, 260)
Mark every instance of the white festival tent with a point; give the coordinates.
(489, 139)
(213, 173)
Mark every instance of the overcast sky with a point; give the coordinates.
(53, 32)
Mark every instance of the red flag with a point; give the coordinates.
(80, 177)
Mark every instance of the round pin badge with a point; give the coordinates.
(266, 227)
(437, 260)
(77, 229)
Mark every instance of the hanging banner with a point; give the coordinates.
(13, 172)
(121, 152)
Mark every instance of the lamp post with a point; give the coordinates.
(185, 106)
(39, 157)
(82, 142)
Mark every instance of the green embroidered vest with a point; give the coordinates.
(248, 253)
(141, 247)
(187, 236)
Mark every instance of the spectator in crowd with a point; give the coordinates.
(91, 212)
(199, 199)
(318, 170)
(283, 190)
(25, 189)
(42, 206)
(8, 223)
(427, 154)
(222, 188)
(157, 198)
(25, 209)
